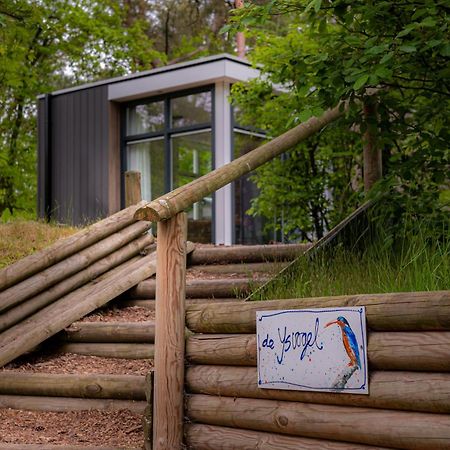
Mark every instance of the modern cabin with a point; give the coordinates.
(172, 124)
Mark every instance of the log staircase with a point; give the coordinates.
(72, 349)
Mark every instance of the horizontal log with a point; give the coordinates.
(150, 303)
(385, 428)
(66, 247)
(126, 351)
(210, 437)
(64, 404)
(69, 266)
(110, 332)
(47, 322)
(246, 253)
(417, 351)
(409, 391)
(225, 287)
(34, 304)
(402, 311)
(121, 387)
(240, 268)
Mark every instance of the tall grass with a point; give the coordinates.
(416, 263)
(19, 238)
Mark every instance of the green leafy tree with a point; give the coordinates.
(340, 50)
(44, 45)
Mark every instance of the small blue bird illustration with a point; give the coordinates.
(349, 340)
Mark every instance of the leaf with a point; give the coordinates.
(305, 115)
(408, 48)
(386, 57)
(428, 22)
(316, 4)
(360, 82)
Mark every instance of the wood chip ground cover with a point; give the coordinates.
(114, 428)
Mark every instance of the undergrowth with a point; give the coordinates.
(414, 263)
(19, 238)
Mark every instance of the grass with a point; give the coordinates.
(19, 238)
(415, 264)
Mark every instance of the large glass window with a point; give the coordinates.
(148, 158)
(170, 142)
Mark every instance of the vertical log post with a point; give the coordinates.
(169, 336)
(132, 188)
(372, 150)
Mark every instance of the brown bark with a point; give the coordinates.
(416, 351)
(395, 429)
(402, 311)
(410, 391)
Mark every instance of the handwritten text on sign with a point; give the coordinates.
(313, 350)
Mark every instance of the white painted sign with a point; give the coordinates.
(313, 350)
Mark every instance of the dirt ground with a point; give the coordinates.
(97, 428)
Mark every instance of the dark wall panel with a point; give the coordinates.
(79, 136)
(42, 158)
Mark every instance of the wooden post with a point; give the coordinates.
(372, 150)
(169, 338)
(132, 188)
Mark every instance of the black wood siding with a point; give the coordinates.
(79, 156)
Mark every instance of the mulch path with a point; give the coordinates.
(115, 314)
(97, 428)
(69, 363)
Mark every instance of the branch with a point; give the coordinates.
(400, 86)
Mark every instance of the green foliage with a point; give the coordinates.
(418, 262)
(43, 45)
(398, 52)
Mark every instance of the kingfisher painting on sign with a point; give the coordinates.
(351, 347)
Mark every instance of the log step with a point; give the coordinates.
(240, 268)
(109, 350)
(65, 404)
(225, 287)
(246, 253)
(90, 386)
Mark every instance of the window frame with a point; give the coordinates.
(166, 133)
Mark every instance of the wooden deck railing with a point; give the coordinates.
(167, 210)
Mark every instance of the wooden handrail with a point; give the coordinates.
(182, 198)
